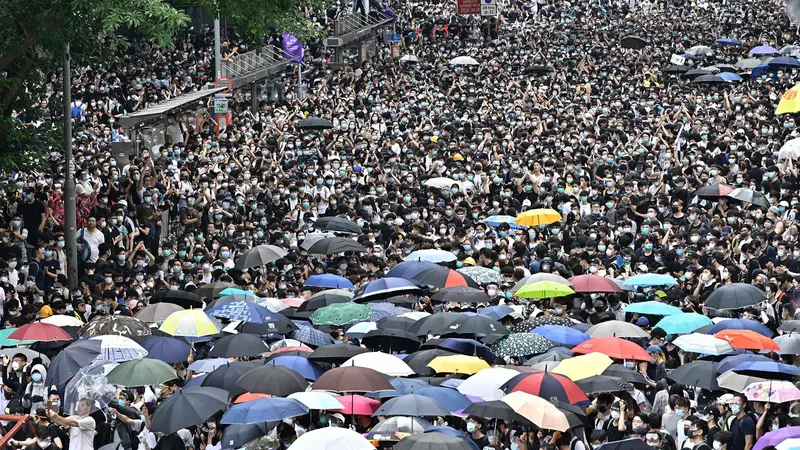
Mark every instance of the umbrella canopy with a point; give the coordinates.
(63, 321)
(167, 349)
(341, 314)
(650, 279)
(357, 404)
(536, 217)
(237, 346)
(339, 224)
(529, 325)
(409, 58)
(770, 370)
(39, 332)
(784, 62)
(708, 79)
(734, 296)
(311, 336)
(561, 334)
(601, 383)
(190, 323)
(449, 398)
(790, 50)
(117, 325)
(777, 437)
(207, 365)
(212, 290)
(702, 343)
(735, 382)
(676, 68)
(461, 294)
(308, 369)
(544, 289)
(431, 256)
(725, 41)
(463, 346)
(442, 277)
(539, 411)
(616, 328)
(181, 298)
(548, 386)
(331, 438)
(763, 50)
(481, 275)
(633, 42)
(419, 360)
(700, 50)
(264, 410)
(260, 255)
(187, 407)
(438, 323)
(329, 281)
(391, 340)
(594, 284)
(141, 372)
(326, 298)
(733, 361)
(273, 323)
(496, 312)
(384, 288)
(6, 342)
(225, 376)
(157, 312)
(625, 444)
(747, 339)
(315, 123)
(750, 196)
(486, 383)
(352, 379)
(458, 364)
(412, 405)
(336, 353)
(790, 102)
(408, 269)
(270, 379)
(584, 366)
(432, 441)
(244, 311)
(522, 344)
(395, 428)
(332, 245)
(537, 277)
(772, 391)
(380, 362)
(789, 344)
(741, 324)
(702, 374)
(463, 61)
(730, 77)
(614, 347)
(119, 348)
(317, 400)
(69, 361)
(652, 308)
(683, 323)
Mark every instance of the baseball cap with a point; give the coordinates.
(643, 322)
(653, 349)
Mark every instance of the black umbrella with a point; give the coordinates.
(419, 360)
(399, 323)
(315, 123)
(118, 325)
(495, 409)
(331, 245)
(325, 298)
(336, 353)
(294, 314)
(412, 405)
(790, 325)
(187, 407)
(238, 346)
(278, 324)
(625, 444)
(599, 384)
(633, 42)
(702, 374)
(475, 326)
(237, 435)
(538, 69)
(749, 196)
(442, 277)
(399, 300)
(625, 374)
(339, 224)
(391, 340)
(212, 290)
(432, 441)
(224, 377)
(735, 296)
(677, 69)
(693, 73)
(279, 381)
(461, 294)
(546, 357)
(527, 325)
(70, 360)
(180, 298)
(437, 323)
(708, 79)
(260, 255)
(713, 191)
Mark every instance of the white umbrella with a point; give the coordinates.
(616, 328)
(463, 61)
(286, 343)
(416, 315)
(409, 58)
(486, 383)
(119, 348)
(790, 50)
(700, 50)
(735, 382)
(440, 182)
(312, 238)
(381, 362)
(317, 400)
(358, 330)
(702, 343)
(332, 438)
(791, 149)
(272, 304)
(61, 320)
(788, 444)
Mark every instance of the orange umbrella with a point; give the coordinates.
(747, 339)
(613, 347)
(248, 397)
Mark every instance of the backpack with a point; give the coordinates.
(77, 110)
(86, 253)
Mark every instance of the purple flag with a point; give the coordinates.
(389, 12)
(292, 48)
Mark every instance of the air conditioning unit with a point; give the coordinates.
(333, 42)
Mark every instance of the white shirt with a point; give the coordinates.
(82, 436)
(94, 240)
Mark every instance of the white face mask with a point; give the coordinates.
(615, 415)
(717, 445)
(471, 427)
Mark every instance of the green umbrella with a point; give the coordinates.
(6, 342)
(522, 344)
(141, 372)
(341, 314)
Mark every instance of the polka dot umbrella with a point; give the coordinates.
(522, 344)
(529, 324)
(341, 314)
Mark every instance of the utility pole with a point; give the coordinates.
(70, 216)
(217, 46)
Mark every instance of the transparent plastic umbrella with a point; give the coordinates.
(90, 382)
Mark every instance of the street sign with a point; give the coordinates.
(220, 106)
(677, 59)
(467, 7)
(488, 7)
(394, 38)
(224, 82)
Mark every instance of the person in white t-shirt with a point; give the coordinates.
(81, 426)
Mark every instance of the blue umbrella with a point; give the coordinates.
(763, 50)
(650, 279)
(383, 310)
(452, 383)
(431, 255)
(311, 336)
(449, 398)
(765, 369)
(583, 327)
(196, 381)
(234, 291)
(264, 410)
(563, 350)
(402, 386)
(728, 41)
(784, 61)
(729, 76)
(384, 288)
(561, 334)
(741, 324)
(496, 312)
(652, 308)
(409, 269)
(496, 221)
(683, 323)
(468, 347)
(452, 432)
(731, 362)
(167, 349)
(244, 311)
(308, 369)
(329, 281)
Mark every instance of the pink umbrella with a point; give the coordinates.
(358, 404)
(293, 302)
(772, 391)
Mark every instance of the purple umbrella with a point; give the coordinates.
(776, 437)
(763, 50)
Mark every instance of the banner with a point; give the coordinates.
(292, 48)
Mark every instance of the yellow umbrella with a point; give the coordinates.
(191, 322)
(458, 364)
(544, 289)
(790, 101)
(538, 410)
(583, 366)
(541, 216)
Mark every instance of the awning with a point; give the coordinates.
(156, 111)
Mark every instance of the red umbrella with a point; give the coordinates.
(548, 386)
(289, 349)
(442, 277)
(714, 190)
(593, 283)
(249, 397)
(38, 331)
(613, 347)
(747, 339)
(358, 404)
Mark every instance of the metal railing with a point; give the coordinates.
(252, 61)
(19, 422)
(352, 22)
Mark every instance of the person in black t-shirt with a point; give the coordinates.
(475, 426)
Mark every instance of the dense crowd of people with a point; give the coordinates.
(556, 111)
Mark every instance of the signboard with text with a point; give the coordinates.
(467, 7)
(488, 8)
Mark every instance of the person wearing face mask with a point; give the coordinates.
(37, 390)
(697, 433)
(127, 421)
(743, 425)
(15, 382)
(492, 290)
(44, 440)
(475, 431)
(722, 441)
(114, 306)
